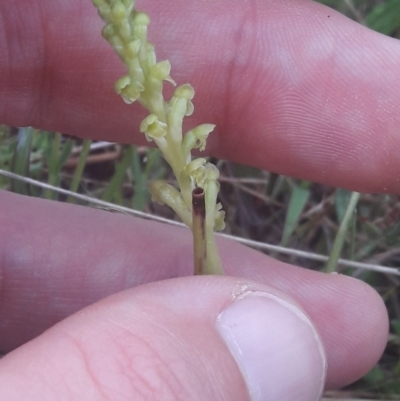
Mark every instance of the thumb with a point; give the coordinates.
(193, 338)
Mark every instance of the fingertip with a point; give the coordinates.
(358, 336)
(276, 346)
(161, 341)
(349, 315)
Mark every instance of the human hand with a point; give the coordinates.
(281, 104)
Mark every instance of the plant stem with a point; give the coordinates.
(113, 190)
(340, 236)
(20, 163)
(76, 179)
(199, 231)
(53, 164)
(206, 257)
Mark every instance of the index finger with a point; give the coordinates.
(293, 86)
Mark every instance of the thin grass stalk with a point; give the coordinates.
(353, 237)
(341, 234)
(20, 163)
(53, 164)
(76, 179)
(139, 198)
(113, 191)
(395, 271)
(65, 152)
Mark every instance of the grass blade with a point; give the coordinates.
(113, 190)
(53, 163)
(140, 196)
(385, 18)
(341, 234)
(21, 159)
(76, 179)
(298, 199)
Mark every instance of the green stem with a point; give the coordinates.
(213, 261)
(76, 179)
(206, 257)
(341, 234)
(139, 191)
(113, 191)
(53, 166)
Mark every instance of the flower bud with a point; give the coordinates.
(153, 128)
(180, 106)
(161, 70)
(165, 194)
(211, 172)
(185, 91)
(195, 165)
(108, 31)
(125, 30)
(195, 170)
(196, 138)
(129, 91)
(141, 18)
(133, 48)
(102, 8)
(181, 100)
(140, 22)
(119, 12)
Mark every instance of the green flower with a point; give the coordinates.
(126, 31)
(153, 128)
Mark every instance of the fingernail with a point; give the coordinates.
(275, 346)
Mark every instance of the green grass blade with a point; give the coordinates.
(53, 164)
(6, 154)
(153, 167)
(66, 150)
(76, 179)
(341, 234)
(140, 197)
(385, 18)
(113, 190)
(21, 159)
(298, 199)
(57, 153)
(342, 198)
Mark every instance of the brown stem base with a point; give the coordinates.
(199, 230)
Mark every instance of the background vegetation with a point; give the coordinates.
(261, 206)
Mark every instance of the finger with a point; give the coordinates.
(58, 258)
(292, 86)
(185, 339)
